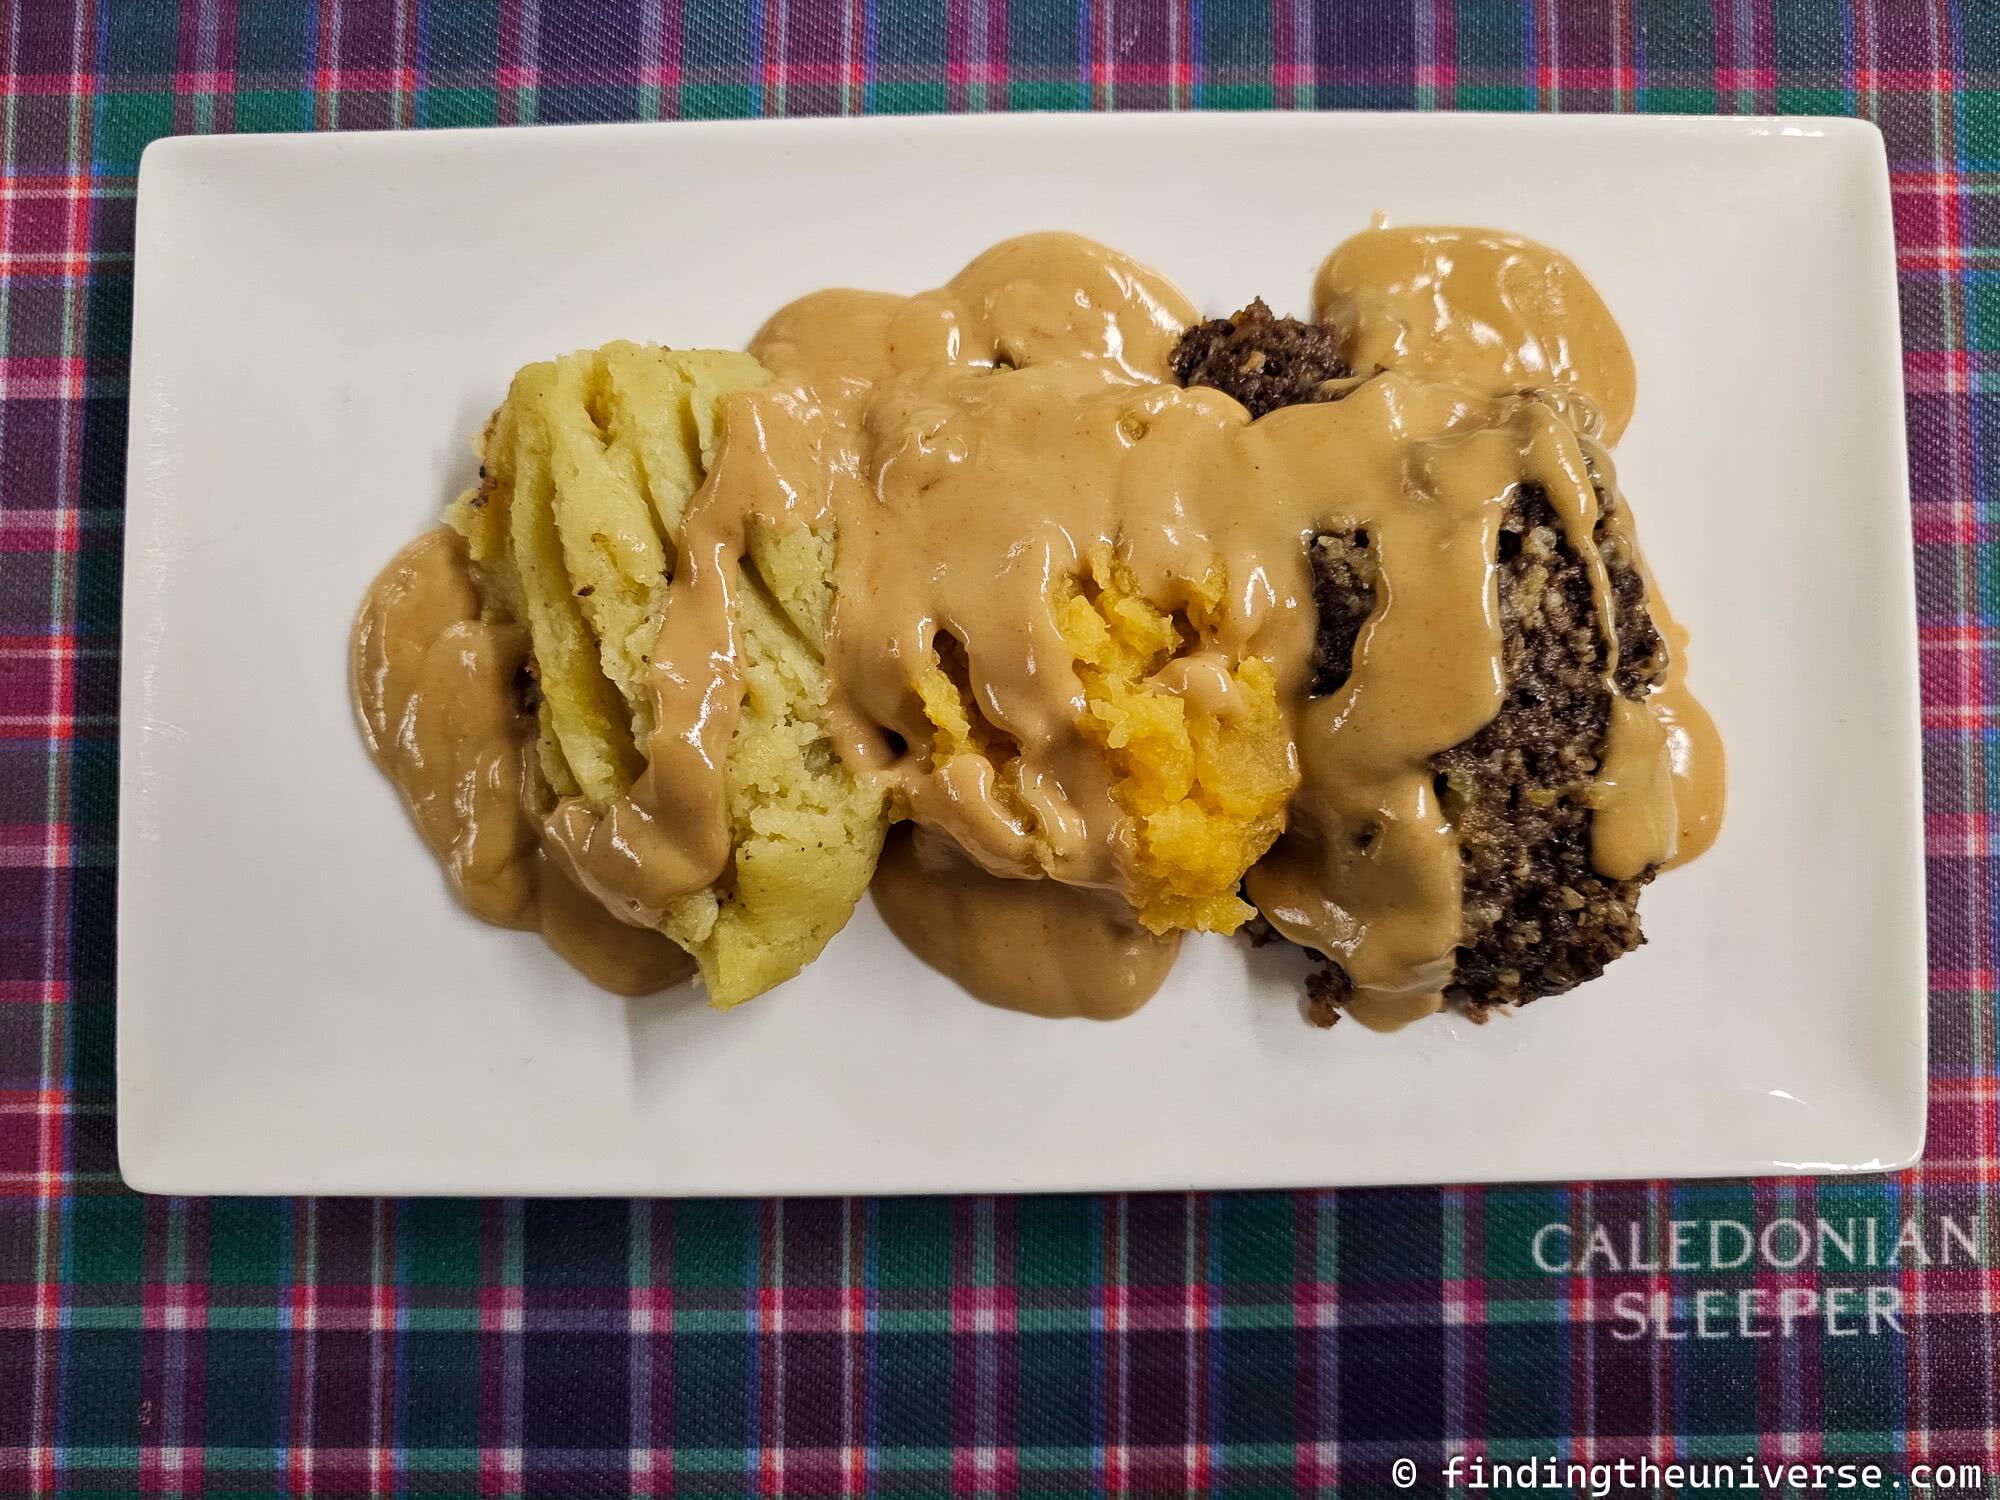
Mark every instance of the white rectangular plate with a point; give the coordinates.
(323, 321)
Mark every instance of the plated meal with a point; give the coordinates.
(958, 652)
(1067, 622)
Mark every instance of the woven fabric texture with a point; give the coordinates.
(1259, 1344)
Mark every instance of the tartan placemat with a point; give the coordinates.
(1259, 1344)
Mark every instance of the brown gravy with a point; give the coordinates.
(1029, 945)
(1484, 309)
(973, 444)
(440, 706)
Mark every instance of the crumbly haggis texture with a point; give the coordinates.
(1343, 572)
(1538, 918)
(1642, 650)
(1263, 361)
(1327, 990)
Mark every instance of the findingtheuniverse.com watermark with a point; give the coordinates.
(1644, 1475)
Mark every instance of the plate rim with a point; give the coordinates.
(147, 1173)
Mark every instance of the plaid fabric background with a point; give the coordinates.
(1259, 1344)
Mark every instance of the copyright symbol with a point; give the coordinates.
(1403, 1473)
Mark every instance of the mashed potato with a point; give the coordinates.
(586, 474)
